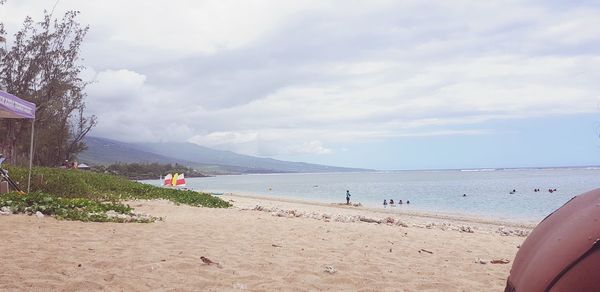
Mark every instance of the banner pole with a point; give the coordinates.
(30, 155)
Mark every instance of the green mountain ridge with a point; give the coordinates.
(103, 151)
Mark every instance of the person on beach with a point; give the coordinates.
(347, 197)
(384, 203)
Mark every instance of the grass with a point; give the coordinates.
(81, 195)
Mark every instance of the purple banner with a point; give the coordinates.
(13, 107)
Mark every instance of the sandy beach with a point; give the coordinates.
(260, 244)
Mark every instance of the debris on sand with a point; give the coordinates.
(466, 229)
(330, 269)
(400, 223)
(424, 250)
(5, 210)
(500, 261)
(504, 231)
(389, 220)
(369, 220)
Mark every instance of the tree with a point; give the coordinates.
(42, 67)
(2, 33)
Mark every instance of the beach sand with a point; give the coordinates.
(281, 246)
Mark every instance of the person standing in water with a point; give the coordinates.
(347, 197)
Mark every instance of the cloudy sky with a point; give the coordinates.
(376, 84)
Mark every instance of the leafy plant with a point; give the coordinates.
(70, 208)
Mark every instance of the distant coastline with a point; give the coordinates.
(467, 169)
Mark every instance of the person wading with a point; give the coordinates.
(347, 197)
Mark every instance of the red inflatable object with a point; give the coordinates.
(563, 252)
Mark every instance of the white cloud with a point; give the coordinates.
(266, 143)
(312, 147)
(294, 77)
(575, 27)
(116, 85)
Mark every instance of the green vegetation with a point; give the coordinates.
(147, 170)
(70, 208)
(87, 196)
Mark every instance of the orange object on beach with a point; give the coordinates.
(563, 252)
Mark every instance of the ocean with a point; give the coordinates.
(488, 192)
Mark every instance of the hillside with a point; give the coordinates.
(106, 151)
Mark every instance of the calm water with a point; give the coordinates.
(431, 191)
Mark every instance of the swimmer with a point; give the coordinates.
(384, 203)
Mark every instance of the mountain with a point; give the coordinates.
(107, 151)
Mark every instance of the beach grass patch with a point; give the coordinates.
(72, 183)
(87, 196)
(79, 209)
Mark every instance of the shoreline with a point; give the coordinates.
(424, 215)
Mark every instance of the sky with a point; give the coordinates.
(374, 84)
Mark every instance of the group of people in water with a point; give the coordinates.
(393, 204)
(385, 202)
(534, 190)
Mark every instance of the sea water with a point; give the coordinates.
(488, 192)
